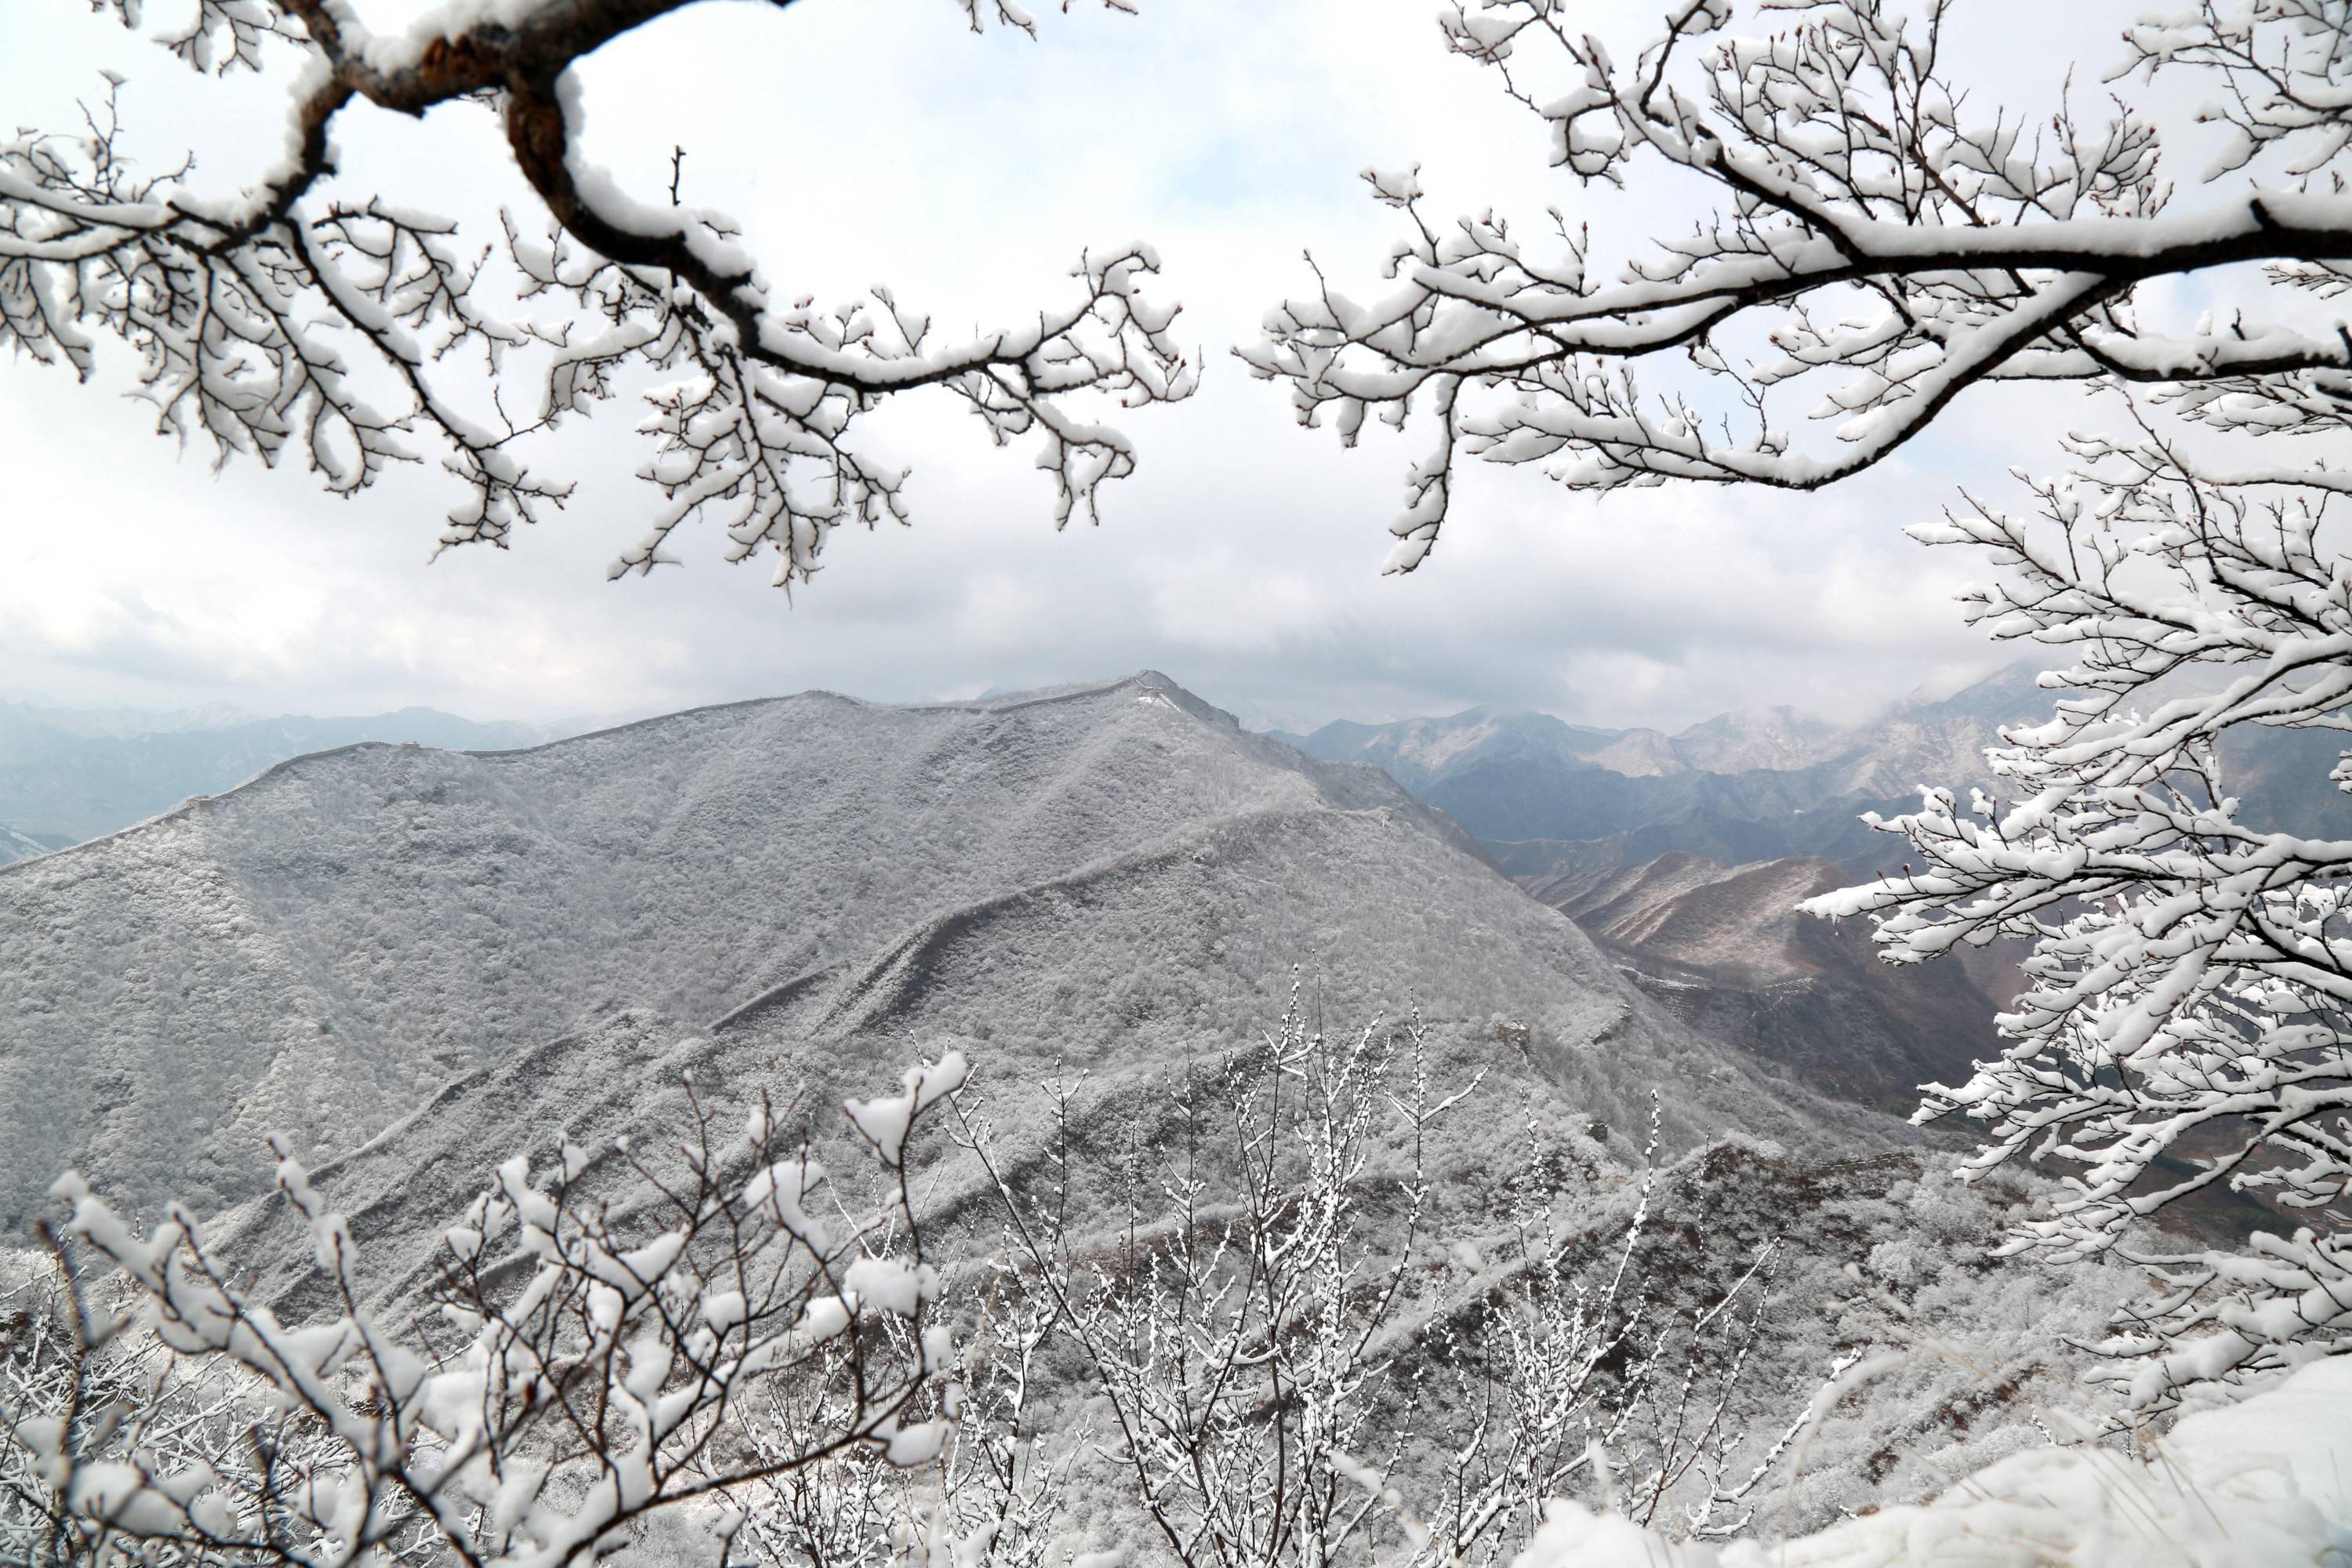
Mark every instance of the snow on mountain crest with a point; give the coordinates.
(318, 948)
(70, 775)
(1166, 692)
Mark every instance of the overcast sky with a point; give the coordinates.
(865, 141)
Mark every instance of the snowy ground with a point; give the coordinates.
(2261, 1483)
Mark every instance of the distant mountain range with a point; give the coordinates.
(1684, 855)
(67, 774)
(1745, 788)
(1737, 787)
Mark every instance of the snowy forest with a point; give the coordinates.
(1069, 1126)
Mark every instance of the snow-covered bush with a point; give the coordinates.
(291, 312)
(85, 1408)
(592, 1363)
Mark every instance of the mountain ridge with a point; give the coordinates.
(1546, 798)
(65, 774)
(320, 948)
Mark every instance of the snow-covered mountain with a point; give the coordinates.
(1117, 874)
(416, 964)
(74, 773)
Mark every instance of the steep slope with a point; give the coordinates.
(1117, 868)
(78, 773)
(1724, 949)
(1135, 971)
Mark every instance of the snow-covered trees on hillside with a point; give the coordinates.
(1242, 1342)
(1284, 1379)
(597, 1347)
(1891, 241)
(283, 311)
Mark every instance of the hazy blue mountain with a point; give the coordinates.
(1630, 795)
(75, 774)
(15, 846)
(1550, 798)
(113, 720)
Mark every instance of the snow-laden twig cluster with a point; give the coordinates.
(1881, 237)
(1237, 1329)
(1598, 1387)
(2189, 1020)
(296, 317)
(593, 1359)
(1281, 1377)
(86, 1407)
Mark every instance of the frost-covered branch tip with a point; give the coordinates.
(298, 314)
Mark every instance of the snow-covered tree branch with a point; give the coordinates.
(1883, 237)
(1880, 238)
(596, 1357)
(290, 313)
(2190, 1010)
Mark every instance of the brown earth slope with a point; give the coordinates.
(1724, 948)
